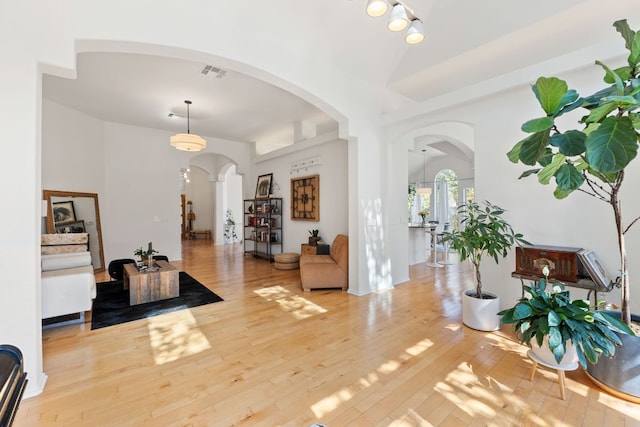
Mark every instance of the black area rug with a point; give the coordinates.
(111, 305)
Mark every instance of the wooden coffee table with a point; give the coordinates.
(147, 286)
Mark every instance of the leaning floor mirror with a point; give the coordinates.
(73, 212)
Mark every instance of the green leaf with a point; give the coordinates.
(553, 319)
(546, 158)
(534, 147)
(599, 113)
(545, 175)
(561, 194)
(550, 92)
(614, 322)
(595, 99)
(612, 146)
(619, 84)
(623, 72)
(537, 125)
(566, 103)
(569, 178)
(622, 26)
(631, 41)
(634, 55)
(570, 143)
(514, 154)
(522, 311)
(529, 172)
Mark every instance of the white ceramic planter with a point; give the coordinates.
(481, 314)
(545, 354)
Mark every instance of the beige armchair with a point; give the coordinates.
(327, 271)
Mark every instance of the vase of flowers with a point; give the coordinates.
(423, 214)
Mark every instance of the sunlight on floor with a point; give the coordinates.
(410, 419)
(332, 402)
(454, 326)
(482, 397)
(175, 335)
(300, 307)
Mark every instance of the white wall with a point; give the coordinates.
(72, 150)
(333, 191)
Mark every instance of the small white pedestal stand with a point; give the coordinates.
(559, 368)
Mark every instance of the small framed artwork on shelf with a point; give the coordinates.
(263, 186)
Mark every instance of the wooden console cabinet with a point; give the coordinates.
(306, 249)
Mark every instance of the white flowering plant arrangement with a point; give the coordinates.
(553, 314)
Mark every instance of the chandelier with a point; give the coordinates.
(188, 141)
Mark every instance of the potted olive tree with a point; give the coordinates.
(482, 231)
(592, 159)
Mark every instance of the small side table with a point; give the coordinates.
(306, 249)
(559, 368)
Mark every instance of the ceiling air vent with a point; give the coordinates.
(220, 73)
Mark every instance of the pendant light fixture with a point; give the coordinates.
(188, 141)
(424, 190)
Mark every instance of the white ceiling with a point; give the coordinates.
(466, 42)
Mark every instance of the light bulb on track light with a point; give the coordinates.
(415, 33)
(377, 8)
(398, 20)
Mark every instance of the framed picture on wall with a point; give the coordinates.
(63, 212)
(305, 198)
(263, 186)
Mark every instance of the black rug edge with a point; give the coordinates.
(154, 308)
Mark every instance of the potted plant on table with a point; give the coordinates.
(593, 159)
(144, 254)
(482, 232)
(561, 331)
(314, 237)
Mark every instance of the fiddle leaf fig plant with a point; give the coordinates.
(592, 158)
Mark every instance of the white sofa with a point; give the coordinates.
(68, 282)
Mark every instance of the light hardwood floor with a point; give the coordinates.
(272, 355)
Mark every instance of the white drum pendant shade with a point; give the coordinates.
(188, 142)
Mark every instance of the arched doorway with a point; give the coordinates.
(445, 200)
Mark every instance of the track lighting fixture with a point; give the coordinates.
(400, 18)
